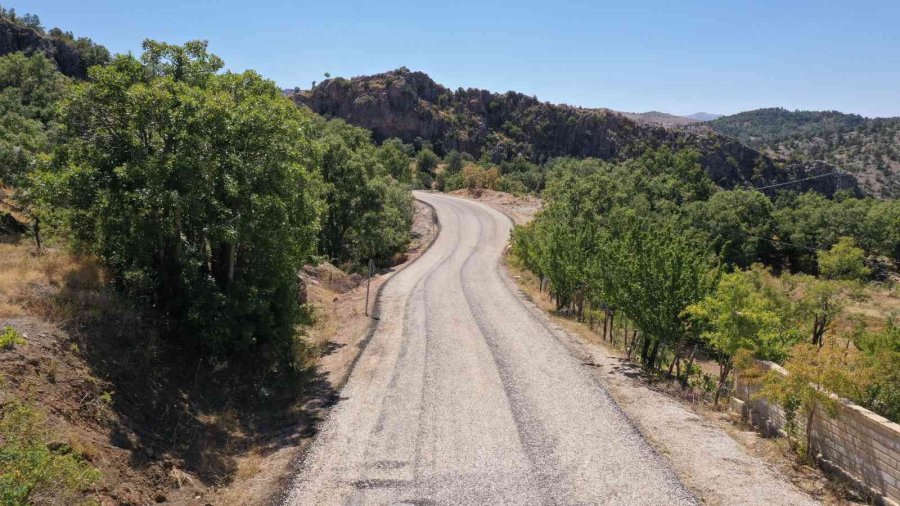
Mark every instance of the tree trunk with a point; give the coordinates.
(631, 348)
(605, 321)
(724, 371)
(654, 354)
(612, 327)
(687, 370)
(36, 227)
(818, 331)
(645, 350)
(674, 360)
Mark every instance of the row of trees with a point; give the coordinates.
(743, 226)
(202, 191)
(653, 243)
(606, 239)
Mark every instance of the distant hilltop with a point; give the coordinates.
(703, 116)
(412, 107)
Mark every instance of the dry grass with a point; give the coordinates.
(22, 272)
(881, 302)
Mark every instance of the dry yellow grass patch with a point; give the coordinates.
(881, 302)
(22, 271)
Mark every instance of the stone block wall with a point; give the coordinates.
(854, 442)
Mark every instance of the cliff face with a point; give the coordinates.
(15, 37)
(410, 106)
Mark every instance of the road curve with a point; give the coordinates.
(465, 396)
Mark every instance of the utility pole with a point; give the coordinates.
(368, 282)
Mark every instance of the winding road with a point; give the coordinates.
(465, 395)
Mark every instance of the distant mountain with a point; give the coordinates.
(411, 106)
(703, 116)
(659, 118)
(867, 147)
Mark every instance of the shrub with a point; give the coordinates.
(32, 471)
(426, 160)
(10, 338)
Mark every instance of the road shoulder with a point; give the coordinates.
(716, 460)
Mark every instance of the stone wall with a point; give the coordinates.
(853, 442)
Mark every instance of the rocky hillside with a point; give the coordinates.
(72, 56)
(411, 106)
(867, 147)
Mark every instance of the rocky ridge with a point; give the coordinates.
(15, 37)
(413, 107)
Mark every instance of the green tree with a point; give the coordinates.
(821, 303)
(395, 157)
(742, 313)
(882, 229)
(815, 373)
(739, 224)
(195, 188)
(369, 213)
(656, 273)
(881, 357)
(426, 160)
(454, 162)
(844, 261)
(30, 91)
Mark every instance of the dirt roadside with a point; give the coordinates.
(160, 427)
(722, 461)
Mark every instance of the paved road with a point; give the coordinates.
(464, 396)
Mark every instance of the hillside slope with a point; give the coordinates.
(867, 147)
(411, 106)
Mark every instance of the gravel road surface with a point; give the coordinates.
(463, 396)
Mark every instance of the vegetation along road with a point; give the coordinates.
(465, 396)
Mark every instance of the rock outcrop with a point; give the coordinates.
(411, 106)
(15, 37)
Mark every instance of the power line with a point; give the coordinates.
(776, 241)
(837, 173)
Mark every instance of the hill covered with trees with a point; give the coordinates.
(412, 107)
(867, 147)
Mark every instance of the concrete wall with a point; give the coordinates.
(856, 443)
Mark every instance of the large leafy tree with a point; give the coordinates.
(656, 273)
(743, 313)
(395, 157)
(843, 261)
(739, 226)
(196, 187)
(369, 212)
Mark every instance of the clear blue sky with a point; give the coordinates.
(673, 56)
